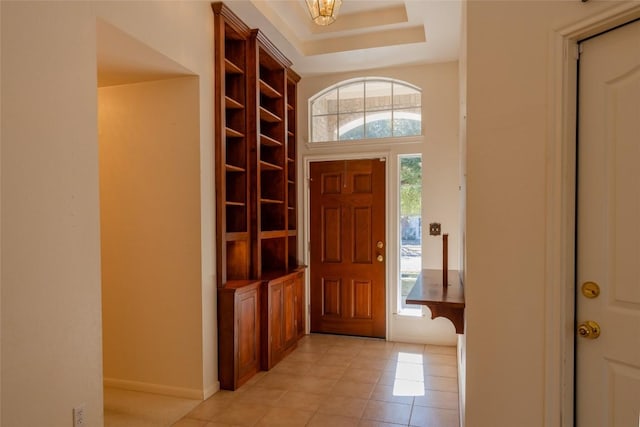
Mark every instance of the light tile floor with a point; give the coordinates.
(339, 381)
(124, 408)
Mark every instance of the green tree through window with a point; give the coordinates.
(411, 185)
(410, 227)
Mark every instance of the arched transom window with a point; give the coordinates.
(366, 108)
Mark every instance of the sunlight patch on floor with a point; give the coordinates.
(409, 378)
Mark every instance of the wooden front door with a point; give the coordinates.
(348, 248)
(608, 250)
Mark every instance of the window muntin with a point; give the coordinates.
(365, 109)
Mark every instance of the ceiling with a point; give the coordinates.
(366, 34)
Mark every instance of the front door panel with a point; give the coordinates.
(347, 266)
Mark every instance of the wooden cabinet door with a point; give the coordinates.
(272, 330)
(289, 312)
(281, 317)
(299, 305)
(248, 335)
(275, 319)
(238, 332)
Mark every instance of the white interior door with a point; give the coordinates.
(608, 252)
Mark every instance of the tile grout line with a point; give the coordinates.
(358, 354)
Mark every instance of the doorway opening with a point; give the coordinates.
(560, 247)
(149, 162)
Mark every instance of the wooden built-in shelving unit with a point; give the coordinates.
(256, 225)
(271, 165)
(232, 146)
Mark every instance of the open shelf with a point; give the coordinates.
(273, 234)
(272, 201)
(233, 168)
(267, 90)
(232, 133)
(268, 141)
(266, 166)
(443, 299)
(231, 68)
(268, 116)
(232, 103)
(236, 235)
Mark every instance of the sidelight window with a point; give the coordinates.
(410, 228)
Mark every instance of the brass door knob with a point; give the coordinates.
(589, 329)
(380, 258)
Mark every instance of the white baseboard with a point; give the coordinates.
(420, 339)
(211, 390)
(186, 393)
(462, 378)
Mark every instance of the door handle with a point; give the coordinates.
(380, 258)
(589, 329)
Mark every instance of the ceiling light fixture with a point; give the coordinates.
(324, 12)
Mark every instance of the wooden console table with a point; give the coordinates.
(443, 301)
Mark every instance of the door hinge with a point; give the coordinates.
(578, 49)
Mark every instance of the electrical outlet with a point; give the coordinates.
(434, 229)
(79, 419)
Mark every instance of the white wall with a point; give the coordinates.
(462, 75)
(51, 327)
(0, 219)
(50, 243)
(150, 234)
(510, 95)
(440, 160)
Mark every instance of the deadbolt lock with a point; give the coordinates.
(590, 289)
(589, 329)
(379, 245)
